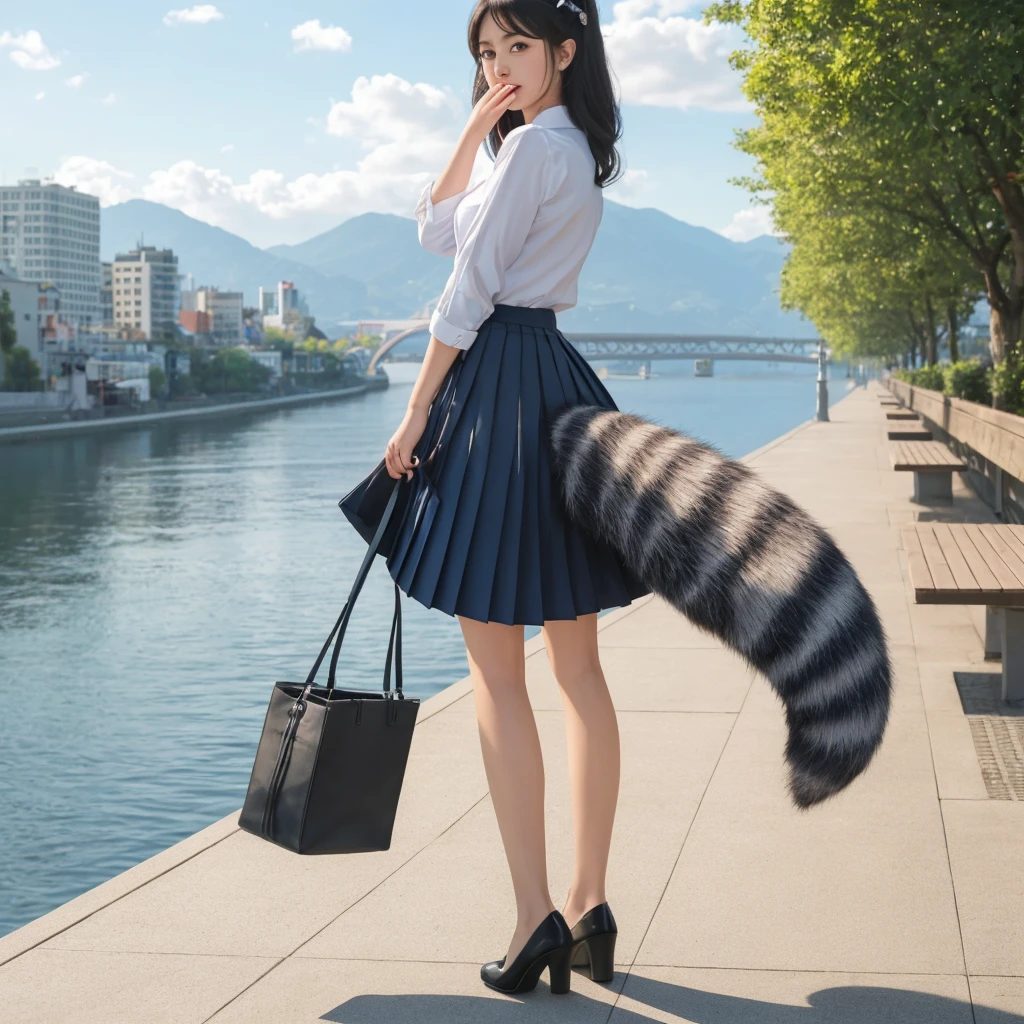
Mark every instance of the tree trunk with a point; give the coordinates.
(954, 333)
(1004, 333)
(930, 339)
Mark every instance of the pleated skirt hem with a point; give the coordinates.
(484, 534)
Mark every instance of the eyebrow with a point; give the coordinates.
(506, 35)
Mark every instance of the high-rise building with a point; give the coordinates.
(285, 309)
(50, 232)
(145, 291)
(107, 294)
(224, 310)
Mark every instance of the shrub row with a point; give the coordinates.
(969, 380)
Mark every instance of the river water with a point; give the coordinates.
(155, 583)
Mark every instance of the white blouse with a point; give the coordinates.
(519, 236)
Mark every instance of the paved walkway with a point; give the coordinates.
(900, 901)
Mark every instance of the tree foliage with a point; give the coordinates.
(21, 371)
(890, 142)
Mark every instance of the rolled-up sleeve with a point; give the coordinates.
(511, 196)
(435, 220)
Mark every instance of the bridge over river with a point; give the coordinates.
(646, 347)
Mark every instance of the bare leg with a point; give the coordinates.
(513, 764)
(592, 736)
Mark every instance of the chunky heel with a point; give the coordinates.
(594, 942)
(601, 956)
(560, 971)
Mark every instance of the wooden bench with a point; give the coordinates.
(885, 400)
(932, 464)
(902, 414)
(910, 433)
(975, 563)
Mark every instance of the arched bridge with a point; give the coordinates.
(624, 345)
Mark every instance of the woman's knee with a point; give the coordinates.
(572, 651)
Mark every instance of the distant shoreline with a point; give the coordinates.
(45, 431)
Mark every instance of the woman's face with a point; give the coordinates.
(521, 61)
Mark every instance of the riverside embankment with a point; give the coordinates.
(73, 428)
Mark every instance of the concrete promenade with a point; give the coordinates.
(900, 901)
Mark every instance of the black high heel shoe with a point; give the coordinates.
(549, 946)
(594, 942)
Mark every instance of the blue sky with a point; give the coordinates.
(278, 121)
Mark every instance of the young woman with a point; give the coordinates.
(486, 540)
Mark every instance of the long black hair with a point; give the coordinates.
(586, 82)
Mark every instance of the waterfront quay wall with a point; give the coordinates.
(45, 431)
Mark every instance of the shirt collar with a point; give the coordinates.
(555, 117)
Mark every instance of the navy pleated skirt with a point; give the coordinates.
(483, 534)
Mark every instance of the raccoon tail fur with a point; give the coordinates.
(747, 564)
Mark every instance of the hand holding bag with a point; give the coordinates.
(330, 763)
(364, 505)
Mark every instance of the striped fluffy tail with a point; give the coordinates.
(746, 563)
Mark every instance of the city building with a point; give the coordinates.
(24, 300)
(50, 232)
(107, 294)
(284, 309)
(195, 321)
(146, 296)
(224, 310)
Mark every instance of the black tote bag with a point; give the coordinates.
(331, 760)
(364, 505)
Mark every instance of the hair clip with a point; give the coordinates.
(575, 10)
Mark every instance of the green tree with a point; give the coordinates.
(21, 371)
(8, 332)
(226, 371)
(908, 111)
(157, 381)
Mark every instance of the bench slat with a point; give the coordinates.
(1013, 539)
(920, 575)
(983, 575)
(1006, 579)
(992, 533)
(942, 575)
(965, 579)
(925, 456)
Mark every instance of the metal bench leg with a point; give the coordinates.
(1013, 654)
(993, 633)
(933, 486)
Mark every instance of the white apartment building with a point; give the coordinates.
(145, 295)
(24, 298)
(224, 309)
(50, 232)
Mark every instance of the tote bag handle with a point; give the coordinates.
(395, 644)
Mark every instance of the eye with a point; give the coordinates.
(489, 54)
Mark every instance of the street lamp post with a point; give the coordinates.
(822, 383)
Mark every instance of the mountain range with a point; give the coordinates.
(647, 271)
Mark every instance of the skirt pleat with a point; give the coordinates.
(484, 535)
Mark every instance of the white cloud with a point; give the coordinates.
(97, 178)
(200, 14)
(664, 59)
(749, 223)
(40, 95)
(229, 148)
(29, 51)
(407, 131)
(76, 81)
(631, 188)
(110, 99)
(311, 35)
